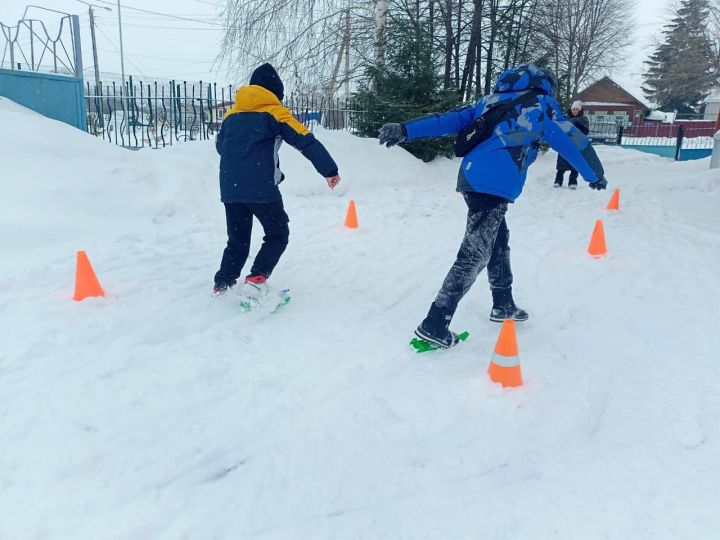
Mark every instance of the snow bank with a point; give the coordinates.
(159, 412)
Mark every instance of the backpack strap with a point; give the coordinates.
(483, 126)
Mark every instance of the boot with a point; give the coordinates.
(255, 286)
(504, 307)
(434, 328)
(221, 288)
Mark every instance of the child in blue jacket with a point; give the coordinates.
(248, 144)
(492, 175)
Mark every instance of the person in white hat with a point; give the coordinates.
(579, 120)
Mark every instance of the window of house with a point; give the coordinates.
(621, 117)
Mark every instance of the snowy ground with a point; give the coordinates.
(159, 412)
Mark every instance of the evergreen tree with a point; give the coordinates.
(407, 87)
(681, 71)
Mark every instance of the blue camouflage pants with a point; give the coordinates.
(486, 243)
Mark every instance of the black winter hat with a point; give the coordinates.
(268, 78)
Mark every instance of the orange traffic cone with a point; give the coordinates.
(86, 282)
(505, 362)
(614, 203)
(351, 220)
(597, 246)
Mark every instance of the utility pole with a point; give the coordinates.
(122, 55)
(92, 37)
(94, 46)
(346, 39)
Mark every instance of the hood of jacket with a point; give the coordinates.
(253, 98)
(526, 77)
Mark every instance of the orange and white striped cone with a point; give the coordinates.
(505, 362)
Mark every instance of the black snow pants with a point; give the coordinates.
(486, 243)
(239, 217)
(572, 180)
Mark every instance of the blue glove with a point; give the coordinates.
(599, 184)
(392, 134)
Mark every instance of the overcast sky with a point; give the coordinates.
(160, 46)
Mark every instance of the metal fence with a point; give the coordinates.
(138, 115)
(337, 114)
(30, 46)
(604, 132)
(156, 115)
(682, 139)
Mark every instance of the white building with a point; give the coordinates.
(712, 106)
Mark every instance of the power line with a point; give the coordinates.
(168, 15)
(105, 20)
(153, 27)
(164, 58)
(118, 50)
(145, 17)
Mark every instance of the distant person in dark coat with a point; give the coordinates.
(248, 143)
(577, 117)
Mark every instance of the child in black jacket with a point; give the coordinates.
(248, 144)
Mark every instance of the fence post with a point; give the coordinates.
(678, 144)
(715, 159)
(621, 128)
(32, 48)
(77, 59)
(77, 50)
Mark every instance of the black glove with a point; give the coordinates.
(392, 134)
(599, 184)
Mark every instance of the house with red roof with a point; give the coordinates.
(606, 102)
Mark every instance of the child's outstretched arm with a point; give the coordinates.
(431, 125)
(440, 125)
(297, 135)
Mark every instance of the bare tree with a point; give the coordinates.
(714, 27)
(479, 38)
(321, 45)
(584, 38)
(381, 15)
(306, 38)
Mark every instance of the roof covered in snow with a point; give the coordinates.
(608, 91)
(608, 104)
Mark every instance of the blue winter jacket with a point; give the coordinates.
(249, 141)
(499, 165)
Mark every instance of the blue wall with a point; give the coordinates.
(686, 154)
(56, 96)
